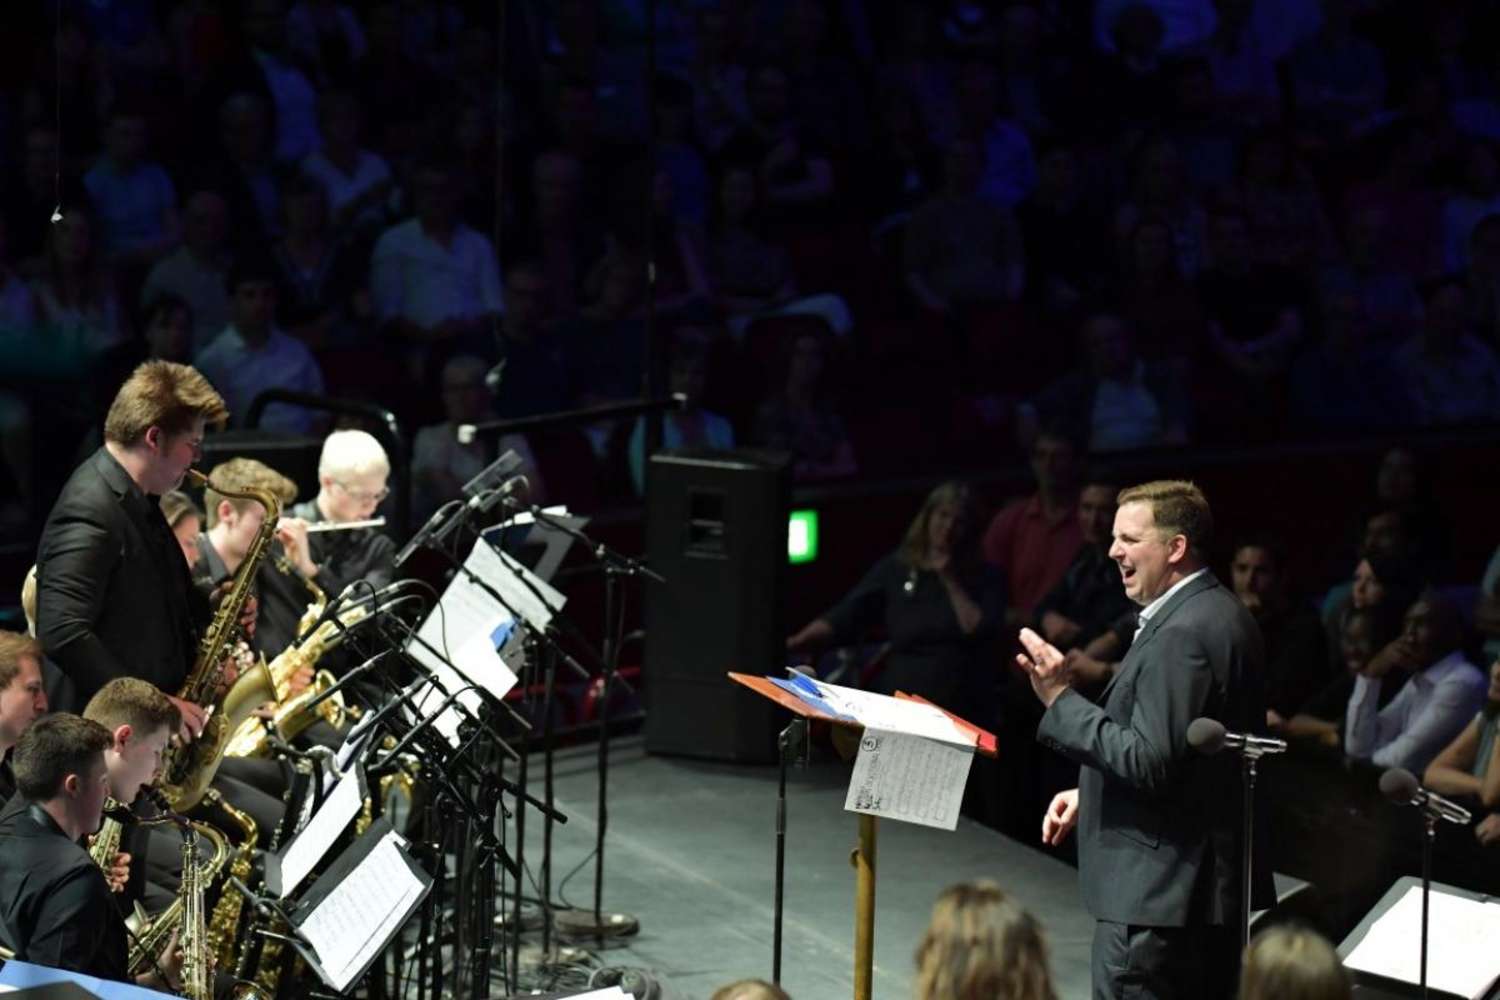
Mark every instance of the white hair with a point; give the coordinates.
(352, 453)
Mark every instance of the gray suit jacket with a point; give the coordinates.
(1159, 825)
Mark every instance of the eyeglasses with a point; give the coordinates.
(362, 496)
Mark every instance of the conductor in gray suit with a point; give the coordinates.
(1159, 826)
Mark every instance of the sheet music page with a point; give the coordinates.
(1461, 956)
(340, 806)
(351, 924)
(911, 778)
(879, 711)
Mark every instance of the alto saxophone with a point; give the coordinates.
(150, 940)
(224, 925)
(106, 843)
(188, 769)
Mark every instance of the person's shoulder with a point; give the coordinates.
(396, 236)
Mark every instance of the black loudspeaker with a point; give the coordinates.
(716, 529)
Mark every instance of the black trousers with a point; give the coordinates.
(1131, 962)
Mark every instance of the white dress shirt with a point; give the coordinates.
(416, 278)
(1155, 605)
(1420, 721)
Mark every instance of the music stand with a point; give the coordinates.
(864, 855)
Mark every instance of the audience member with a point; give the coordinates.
(1286, 962)
(1345, 383)
(358, 181)
(1362, 632)
(434, 280)
(440, 463)
(798, 416)
(1282, 205)
(720, 107)
(1365, 271)
(750, 273)
(1160, 190)
(1469, 767)
(603, 347)
(794, 171)
(1088, 602)
(901, 170)
(1120, 401)
(1064, 235)
(981, 945)
(962, 249)
(1131, 77)
(253, 355)
(1297, 661)
(247, 176)
(166, 329)
(533, 379)
(561, 235)
(689, 427)
(1464, 209)
(1159, 303)
(1451, 376)
(399, 85)
(319, 278)
(325, 35)
(267, 66)
(677, 154)
(196, 271)
(1033, 540)
(136, 201)
(1242, 61)
(1442, 695)
(940, 605)
(1337, 78)
(75, 296)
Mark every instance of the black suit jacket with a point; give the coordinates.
(114, 597)
(1158, 825)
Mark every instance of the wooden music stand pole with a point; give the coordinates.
(863, 859)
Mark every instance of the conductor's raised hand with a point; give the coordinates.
(1045, 665)
(1061, 817)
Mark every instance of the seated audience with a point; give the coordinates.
(1297, 661)
(799, 417)
(1469, 767)
(791, 164)
(356, 180)
(136, 200)
(1346, 384)
(253, 355)
(961, 249)
(1156, 300)
(690, 427)
(1287, 962)
(1161, 191)
(1386, 293)
(441, 464)
(167, 329)
(1444, 692)
(1119, 401)
(533, 379)
(75, 296)
(1066, 238)
(1337, 78)
(196, 271)
(981, 945)
(1281, 201)
(750, 273)
(319, 278)
(1033, 540)
(1451, 376)
(1363, 632)
(602, 347)
(940, 604)
(1085, 605)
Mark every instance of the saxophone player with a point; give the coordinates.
(22, 698)
(55, 905)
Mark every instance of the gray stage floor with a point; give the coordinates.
(691, 853)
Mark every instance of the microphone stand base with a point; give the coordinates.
(577, 924)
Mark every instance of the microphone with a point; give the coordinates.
(348, 678)
(1208, 737)
(436, 524)
(1400, 786)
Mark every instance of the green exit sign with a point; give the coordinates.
(802, 537)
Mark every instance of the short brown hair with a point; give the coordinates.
(237, 473)
(54, 747)
(130, 701)
(1292, 963)
(980, 943)
(13, 646)
(176, 505)
(1178, 507)
(162, 394)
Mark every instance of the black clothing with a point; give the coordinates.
(7, 782)
(1130, 960)
(1297, 666)
(1090, 594)
(930, 655)
(114, 596)
(345, 556)
(55, 906)
(281, 597)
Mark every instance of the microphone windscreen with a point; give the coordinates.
(1206, 736)
(1398, 785)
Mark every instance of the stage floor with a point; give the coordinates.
(691, 853)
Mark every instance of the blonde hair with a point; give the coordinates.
(954, 493)
(13, 646)
(981, 946)
(352, 453)
(176, 505)
(162, 394)
(1178, 507)
(750, 989)
(237, 473)
(1292, 963)
(28, 600)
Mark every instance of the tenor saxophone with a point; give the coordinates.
(151, 939)
(224, 925)
(187, 770)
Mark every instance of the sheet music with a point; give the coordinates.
(878, 711)
(1461, 955)
(910, 778)
(340, 806)
(354, 921)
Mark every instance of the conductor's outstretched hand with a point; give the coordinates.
(1045, 665)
